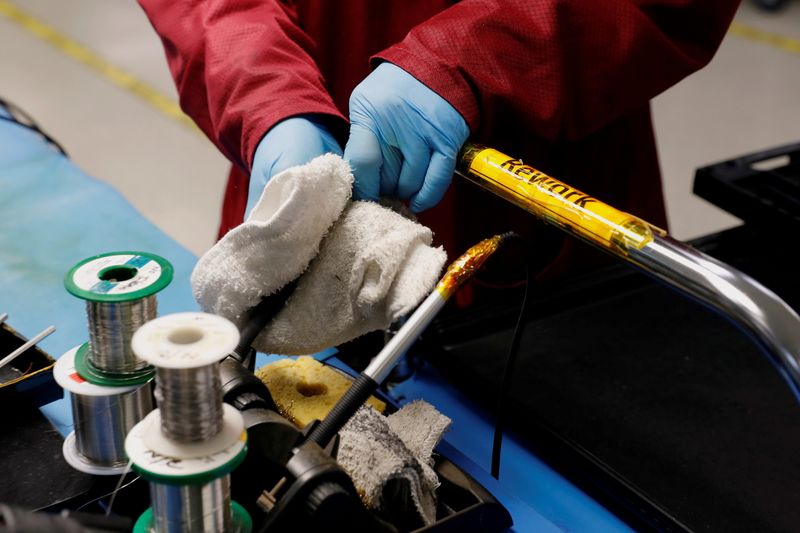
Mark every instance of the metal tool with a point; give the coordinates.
(457, 273)
(28, 345)
(765, 317)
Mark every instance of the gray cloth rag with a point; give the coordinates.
(376, 450)
(361, 265)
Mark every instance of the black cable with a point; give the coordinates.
(21, 118)
(511, 357)
(260, 316)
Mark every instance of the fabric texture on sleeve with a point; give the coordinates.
(565, 67)
(240, 68)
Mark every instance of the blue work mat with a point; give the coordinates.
(52, 215)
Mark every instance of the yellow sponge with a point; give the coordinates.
(305, 390)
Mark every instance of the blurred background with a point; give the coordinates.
(93, 74)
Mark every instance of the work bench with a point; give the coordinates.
(618, 399)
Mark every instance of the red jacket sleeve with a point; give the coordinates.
(565, 67)
(234, 95)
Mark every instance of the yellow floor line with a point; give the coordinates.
(113, 74)
(745, 31)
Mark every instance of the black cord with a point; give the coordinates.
(21, 118)
(259, 316)
(511, 357)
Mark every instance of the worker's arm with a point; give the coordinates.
(567, 67)
(233, 94)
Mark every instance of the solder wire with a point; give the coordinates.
(111, 326)
(102, 423)
(189, 508)
(190, 402)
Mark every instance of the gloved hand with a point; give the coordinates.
(404, 139)
(291, 142)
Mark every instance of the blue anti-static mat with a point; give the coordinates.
(52, 215)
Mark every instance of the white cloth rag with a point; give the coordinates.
(277, 241)
(373, 266)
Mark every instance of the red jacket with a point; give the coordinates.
(564, 84)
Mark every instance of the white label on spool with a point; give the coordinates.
(214, 457)
(87, 277)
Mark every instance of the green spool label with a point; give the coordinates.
(119, 276)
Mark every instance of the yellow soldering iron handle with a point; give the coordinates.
(553, 201)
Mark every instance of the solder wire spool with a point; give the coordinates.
(109, 387)
(102, 417)
(188, 446)
(119, 289)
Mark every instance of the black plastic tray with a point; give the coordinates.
(29, 375)
(762, 188)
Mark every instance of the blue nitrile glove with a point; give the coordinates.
(404, 139)
(291, 142)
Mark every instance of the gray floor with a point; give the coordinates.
(747, 99)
